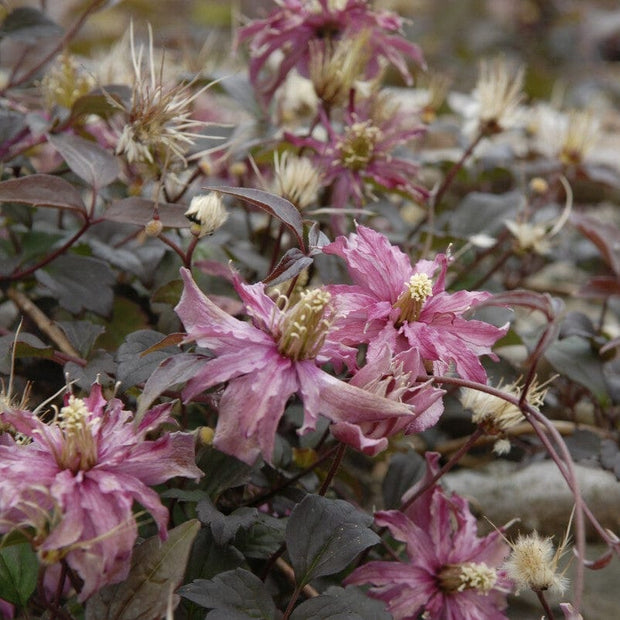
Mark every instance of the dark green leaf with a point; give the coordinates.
(79, 282)
(37, 243)
(324, 535)
(573, 357)
(42, 190)
(341, 604)
(263, 538)
(82, 334)
(28, 24)
(18, 573)
(237, 593)
(27, 345)
(484, 213)
(134, 367)
(172, 371)
(404, 471)
(156, 570)
(87, 159)
(225, 527)
(275, 205)
(169, 293)
(208, 559)
(126, 259)
(100, 368)
(225, 472)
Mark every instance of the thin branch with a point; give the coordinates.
(71, 32)
(43, 322)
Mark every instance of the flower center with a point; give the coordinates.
(358, 145)
(79, 448)
(305, 326)
(467, 576)
(418, 290)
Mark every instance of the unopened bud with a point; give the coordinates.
(205, 435)
(153, 227)
(538, 185)
(238, 169)
(207, 213)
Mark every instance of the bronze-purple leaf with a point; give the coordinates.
(42, 190)
(275, 205)
(92, 163)
(140, 211)
(604, 236)
(291, 264)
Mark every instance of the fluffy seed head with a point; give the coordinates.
(533, 564)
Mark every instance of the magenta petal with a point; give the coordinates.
(374, 264)
(208, 324)
(352, 435)
(250, 410)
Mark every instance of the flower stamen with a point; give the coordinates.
(79, 449)
(411, 300)
(305, 326)
(358, 145)
(468, 576)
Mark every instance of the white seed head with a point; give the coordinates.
(533, 564)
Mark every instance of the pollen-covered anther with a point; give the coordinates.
(410, 302)
(358, 145)
(467, 576)
(305, 326)
(79, 449)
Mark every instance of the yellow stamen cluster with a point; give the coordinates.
(79, 450)
(467, 576)
(65, 82)
(335, 67)
(305, 326)
(358, 145)
(417, 291)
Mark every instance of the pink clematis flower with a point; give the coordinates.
(71, 484)
(392, 303)
(266, 361)
(451, 573)
(360, 154)
(395, 378)
(295, 23)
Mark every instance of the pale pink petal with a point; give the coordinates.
(250, 410)
(208, 324)
(373, 263)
